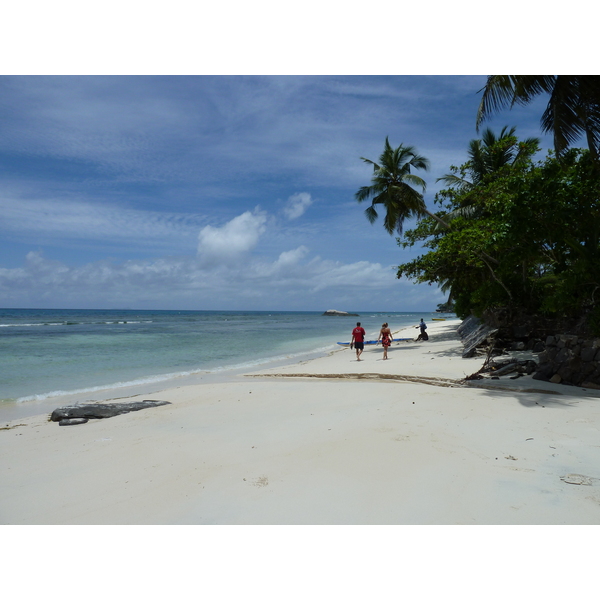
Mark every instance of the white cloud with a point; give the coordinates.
(222, 244)
(292, 257)
(288, 283)
(297, 205)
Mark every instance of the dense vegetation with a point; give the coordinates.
(530, 241)
(512, 234)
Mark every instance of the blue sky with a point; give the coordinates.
(217, 192)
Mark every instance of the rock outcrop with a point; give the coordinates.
(565, 358)
(570, 359)
(81, 413)
(339, 313)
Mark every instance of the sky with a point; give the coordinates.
(207, 157)
(217, 191)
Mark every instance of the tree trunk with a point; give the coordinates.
(436, 218)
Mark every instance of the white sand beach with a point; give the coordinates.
(326, 441)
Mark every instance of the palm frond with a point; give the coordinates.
(562, 115)
(420, 162)
(453, 180)
(504, 90)
(371, 214)
(467, 212)
(370, 162)
(497, 93)
(363, 193)
(414, 180)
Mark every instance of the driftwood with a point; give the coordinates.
(81, 413)
(506, 369)
(495, 369)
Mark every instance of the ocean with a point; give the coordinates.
(51, 358)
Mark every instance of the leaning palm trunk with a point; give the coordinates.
(437, 219)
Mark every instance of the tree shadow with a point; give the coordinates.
(530, 396)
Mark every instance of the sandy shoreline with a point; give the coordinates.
(325, 441)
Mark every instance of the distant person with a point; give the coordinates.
(385, 335)
(358, 340)
(423, 337)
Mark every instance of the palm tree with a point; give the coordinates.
(392, 185)
(490, 154)
(573, 109)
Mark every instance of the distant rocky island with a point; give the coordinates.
(339, 313)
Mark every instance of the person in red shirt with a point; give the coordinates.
(358, 340)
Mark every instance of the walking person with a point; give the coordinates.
(358, 340)
(385, 335)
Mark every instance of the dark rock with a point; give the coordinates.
(563, 355)
(565, 373)
(543, 357)
(544, 372)
(538, 347)
(530, 367)
(570, 353)
(588, 354)
(101, 411)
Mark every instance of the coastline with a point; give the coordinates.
(58, 357)
(10, 411)
(322, 441)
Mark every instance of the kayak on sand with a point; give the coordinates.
(373, 342)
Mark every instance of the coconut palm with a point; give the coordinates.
(490, 154)
(392, 185)
(573, 109)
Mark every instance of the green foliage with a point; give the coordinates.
(393, 186)
(446, 307)
(530, 241)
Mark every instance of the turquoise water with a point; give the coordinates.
(47, 354)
